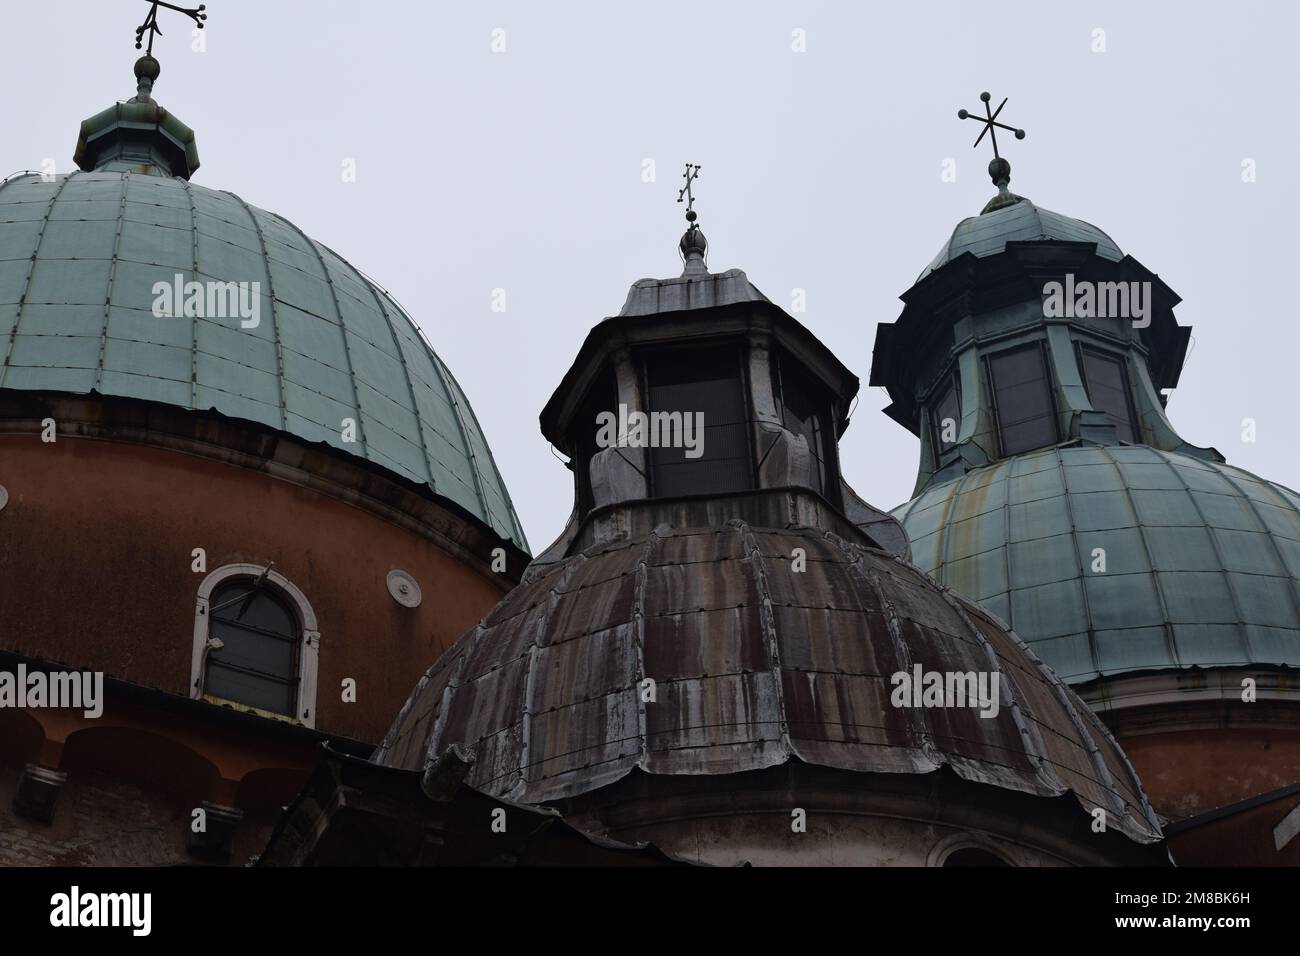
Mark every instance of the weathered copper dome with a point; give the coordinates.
(755, 665)
(715, 643)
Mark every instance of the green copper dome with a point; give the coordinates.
(80, 256)
(1202, 560)
(988, 234)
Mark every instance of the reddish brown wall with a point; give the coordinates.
(95, 548)
(1190, 772)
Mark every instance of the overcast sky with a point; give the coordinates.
(523, 170)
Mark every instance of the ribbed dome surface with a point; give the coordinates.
(988, 234)
(755, 665)
(1202, 560)
(79, 257)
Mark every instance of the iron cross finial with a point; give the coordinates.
(151, 21)
(692, 173)
(990, 121)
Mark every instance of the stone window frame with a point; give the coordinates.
(309, 635)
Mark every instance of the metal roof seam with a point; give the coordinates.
(194, 325)
(406, 369)
(1168, 627)
(925, 747)
(1063, 695)
(758, 568)
(108, 289)
(639, 620)
(275, 316)
(1295, 585)
(448, 692)
(454, 389)
(347, 348)
(27, 283)
(1033, 745)
(1218, 556)
(461, 404)
(1083, 589)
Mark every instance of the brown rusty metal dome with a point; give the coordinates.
(755, 664)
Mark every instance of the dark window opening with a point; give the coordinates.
(1106, 380)
(1022, 399)
(708, 382)
(971, 856)
(603, 397)
(806, 409)
(946, 414)
(257, 662)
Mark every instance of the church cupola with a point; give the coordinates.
(1029, 329)
(1031, 359)
(702, 387)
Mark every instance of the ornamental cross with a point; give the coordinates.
(691, 174)
(151, 21)
(990, 121)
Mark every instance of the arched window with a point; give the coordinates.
(255, 643)
(965, 849)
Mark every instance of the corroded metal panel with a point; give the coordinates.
(711, 651)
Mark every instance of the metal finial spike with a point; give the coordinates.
(692, 173)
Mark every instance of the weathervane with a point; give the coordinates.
(990, 121)
(151, 21)
(692, 173)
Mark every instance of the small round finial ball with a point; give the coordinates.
(985, 97)
(147, 68)
(999, 170)
(691, 216)
(962, 114)
(1020, 134)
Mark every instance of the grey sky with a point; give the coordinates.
(522, 170)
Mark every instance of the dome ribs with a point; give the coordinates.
(275, 313)
(639, 632)
(338, 314)
(406, 372)
(1032, 741)
(755, 666)
(27, 282)
(1170, 643)
(757, 566)
(1277, 550)
(194, 256)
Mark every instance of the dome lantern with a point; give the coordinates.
(702, 386)
(138, 135)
